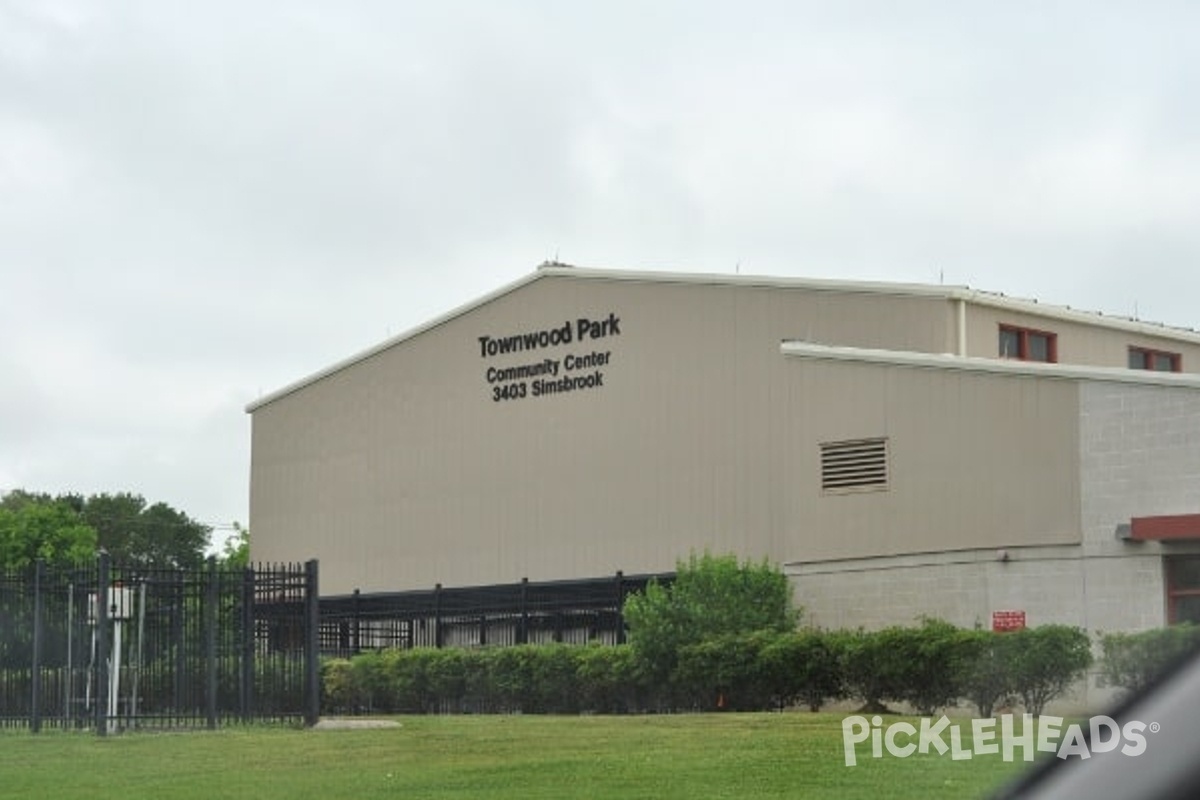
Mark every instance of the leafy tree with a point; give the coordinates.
(17, 499)
(236, 550)
(33, 527)
(135, 533)
(711, 596)
(146, 536)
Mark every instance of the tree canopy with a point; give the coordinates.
(711, 596)
(236, 550)
(51, 530)
(137, 534)
(70, 527)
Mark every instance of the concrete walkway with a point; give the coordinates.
(354, 723)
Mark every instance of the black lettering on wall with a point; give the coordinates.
(575, 371)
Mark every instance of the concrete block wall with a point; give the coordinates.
(963, 588)
(1139, 455)
(1053, 585)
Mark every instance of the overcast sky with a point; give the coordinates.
(202, 202)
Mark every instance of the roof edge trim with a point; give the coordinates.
(363, 355)
(946, 361)
(938, 291)
(772, 281)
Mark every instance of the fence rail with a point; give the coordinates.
(109, 648)
(577, 611)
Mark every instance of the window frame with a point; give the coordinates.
(1174, 591)
(1149, 354)
(1023, 335)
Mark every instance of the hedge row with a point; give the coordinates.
(927, 667)
(552, 678)
(1134, 660)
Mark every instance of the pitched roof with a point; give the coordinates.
(555, 269)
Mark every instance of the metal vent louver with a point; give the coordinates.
(852, 466)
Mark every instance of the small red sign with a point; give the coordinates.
(1008, 620)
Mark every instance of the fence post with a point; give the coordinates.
(356, 630)
(312, 645)
(100, 607)
(35, 707)
(247, 693)
(523, 630)
(178, 645)
(620, 607)
(211, 598)
(437, 615)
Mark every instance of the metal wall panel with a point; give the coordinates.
(1078, 342)
(401, 471)
(976, 460)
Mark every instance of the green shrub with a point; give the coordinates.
(1134, 660)
(445, 679)
(726, 672)
(609, 678)
(804, 666)
(338, 690)
(710, 596)
(372, 674)
(511, 676)
(875, 665)
(1044, 662)
(478, 691)
(984, 678)
(554, 674)
(928, 666)
(934, 654)
(552, 678)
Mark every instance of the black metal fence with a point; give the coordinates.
(107, 648)
(577, 611)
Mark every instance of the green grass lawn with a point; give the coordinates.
(687, 756)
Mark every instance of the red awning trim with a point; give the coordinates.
(1174, 527)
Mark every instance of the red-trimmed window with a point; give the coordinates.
(1027, 344)
(1183, 589)
(1157, 360)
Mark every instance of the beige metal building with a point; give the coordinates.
(900, 449)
